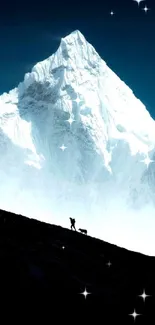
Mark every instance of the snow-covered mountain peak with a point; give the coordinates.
(75, 80)
(74, 37)
(74, 54)
(76, 43)
(107, 108)
(72, 140)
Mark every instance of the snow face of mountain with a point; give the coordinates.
(99, 178)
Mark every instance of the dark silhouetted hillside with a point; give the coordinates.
(44, 268)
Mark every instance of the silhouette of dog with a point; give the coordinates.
(84, 231)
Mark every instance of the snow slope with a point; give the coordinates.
(99, 178)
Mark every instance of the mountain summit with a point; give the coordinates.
(75, 141)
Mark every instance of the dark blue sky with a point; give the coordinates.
(30, 31)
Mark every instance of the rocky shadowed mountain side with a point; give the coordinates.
(44, 268)
(74, 99)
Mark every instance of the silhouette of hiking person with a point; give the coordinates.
(72, 224)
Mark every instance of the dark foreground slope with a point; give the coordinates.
(44, 268)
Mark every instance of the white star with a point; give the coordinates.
(143, 295)
(147, 161)
(134, 314)
(145, 9)
(138, 1)
(85, 293)
(109, 263)
(63, 247)
(77, 100)
(70, 120)
(111, 13)
(63, 147)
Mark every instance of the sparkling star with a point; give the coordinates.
(77, 100)
(134, 314)
(145, 9)
(63, 147)
(147, 161)
(111, 13)
(138, 1)
(63, 247)
(144, 295)
(70, 120)
(109, 263)
(85, 293)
